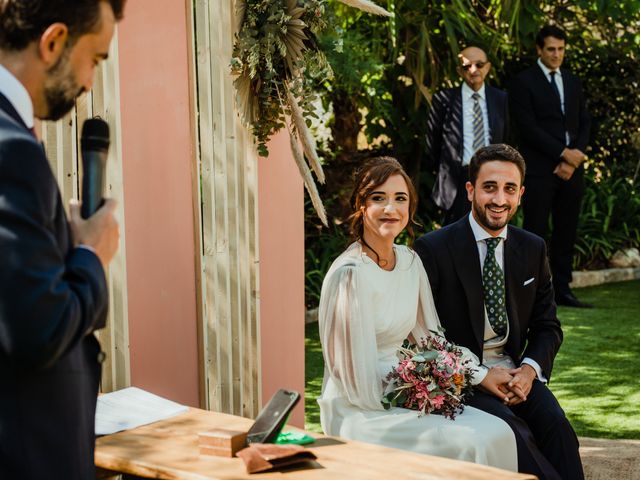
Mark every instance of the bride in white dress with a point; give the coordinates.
(375, 295)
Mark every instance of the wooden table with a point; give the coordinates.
(168, 449)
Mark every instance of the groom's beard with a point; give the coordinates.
(483, 218)
(61, 88)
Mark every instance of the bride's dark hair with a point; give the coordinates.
(374, 173)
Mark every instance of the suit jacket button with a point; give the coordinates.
(102, 357)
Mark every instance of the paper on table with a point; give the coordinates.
(130, 408)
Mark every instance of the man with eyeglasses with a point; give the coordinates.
(462, 120)
(552, 123)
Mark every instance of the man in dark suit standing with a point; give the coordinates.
(53, 292)
(492, 290)
(461, 120)
(552, 123)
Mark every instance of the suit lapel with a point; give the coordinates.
(491, 110)
(456, 112)
(515, 264)
(568, 91)
(466, 259)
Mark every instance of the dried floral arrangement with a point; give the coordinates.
(276, 60)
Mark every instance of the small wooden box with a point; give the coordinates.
(221, 443)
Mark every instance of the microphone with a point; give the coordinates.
(94, 147)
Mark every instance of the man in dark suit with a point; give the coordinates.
(53, 292)
(493, 293)
(552, 123)
(461, 120)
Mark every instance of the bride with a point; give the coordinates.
(375, 295)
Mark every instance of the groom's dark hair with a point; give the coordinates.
(500, 152)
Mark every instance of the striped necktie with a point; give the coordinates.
(493, 289)
(478, 123)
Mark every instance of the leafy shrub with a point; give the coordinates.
(320, 252)
(609, 220)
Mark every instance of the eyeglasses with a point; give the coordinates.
(478, 65)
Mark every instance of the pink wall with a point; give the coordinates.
(281, 234)
(157, 153)
(157, 145)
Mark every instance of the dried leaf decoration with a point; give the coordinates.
(309, 184)
(241, 7)
(366, 6)
(308, 144)
(276, 62)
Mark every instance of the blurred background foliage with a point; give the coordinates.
(386, 70)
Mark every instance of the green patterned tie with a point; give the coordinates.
(493, 286)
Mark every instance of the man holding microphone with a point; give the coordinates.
(53, 291)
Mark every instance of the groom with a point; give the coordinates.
(493, 293)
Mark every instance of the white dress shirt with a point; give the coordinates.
(493, 350)
(17, 95)
(547, 74)
(467, 120)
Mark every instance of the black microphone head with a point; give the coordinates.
(95, 134)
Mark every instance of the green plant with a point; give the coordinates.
(609, 220)
(386, 69)
(321, 250)
(275, 53)
(277, 62)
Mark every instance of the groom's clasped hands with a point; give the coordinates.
(510, 385)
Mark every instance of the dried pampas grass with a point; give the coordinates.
(305, 173)
(367, 6)
(308, 143)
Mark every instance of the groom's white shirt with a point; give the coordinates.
(493, 354)
(17, 95)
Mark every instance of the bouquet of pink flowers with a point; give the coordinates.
(432, 377)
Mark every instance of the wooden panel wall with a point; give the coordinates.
(227, 196)
(62, 143)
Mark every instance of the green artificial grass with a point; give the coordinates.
(596, 374)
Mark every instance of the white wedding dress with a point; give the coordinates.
(365, 313)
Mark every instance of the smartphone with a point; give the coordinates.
(273, 417)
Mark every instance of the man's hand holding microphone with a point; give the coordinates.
(93, 222)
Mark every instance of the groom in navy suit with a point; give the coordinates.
(492, 290)
(53, 291)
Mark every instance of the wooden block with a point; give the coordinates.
(221, 443)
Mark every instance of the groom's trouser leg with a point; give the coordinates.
(530, 458)
(552, 431)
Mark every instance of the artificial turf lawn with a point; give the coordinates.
(596, 375)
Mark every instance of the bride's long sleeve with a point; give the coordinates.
(348, 338)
